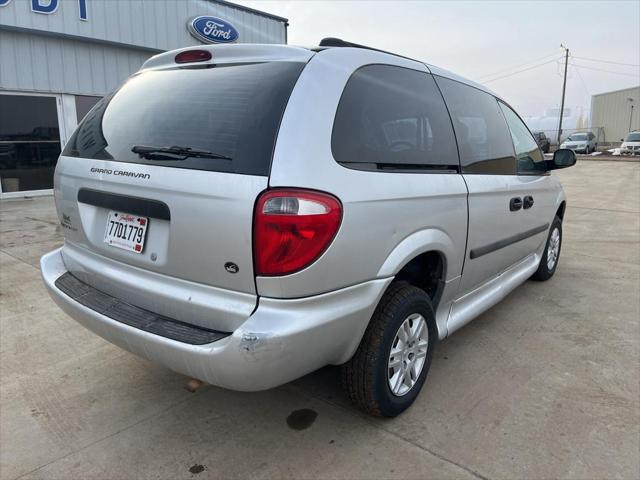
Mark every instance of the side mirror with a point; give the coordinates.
(562, 158)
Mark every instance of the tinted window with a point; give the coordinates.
(483, 136)
(528, 155)
(392, 117)
(29, 142)
(233, 111)
(84, 103)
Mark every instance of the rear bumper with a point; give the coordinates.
(281, 341)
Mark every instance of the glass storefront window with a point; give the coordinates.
(84, 103)
(29, 142)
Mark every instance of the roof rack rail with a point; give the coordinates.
(338, 42)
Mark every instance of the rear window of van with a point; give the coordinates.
(231, 111)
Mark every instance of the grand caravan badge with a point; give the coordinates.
(120, 173)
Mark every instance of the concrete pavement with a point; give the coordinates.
(545, 384)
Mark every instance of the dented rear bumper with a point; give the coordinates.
(281, 340)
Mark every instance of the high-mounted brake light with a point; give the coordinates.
(189, 56)
(292, 228)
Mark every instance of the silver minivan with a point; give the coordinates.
(247, 214)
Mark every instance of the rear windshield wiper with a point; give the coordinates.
(180, 153)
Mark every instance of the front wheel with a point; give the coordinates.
(551, 254)
(387, 372)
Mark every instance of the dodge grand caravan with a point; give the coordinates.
(246, 214)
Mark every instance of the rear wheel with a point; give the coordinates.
(551, 254)
(388, 370)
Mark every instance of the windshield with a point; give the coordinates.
(632, 137)
(233, 112)
(578, 136)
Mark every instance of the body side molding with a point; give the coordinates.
(505, 242)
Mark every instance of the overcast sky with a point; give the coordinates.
(485, 40)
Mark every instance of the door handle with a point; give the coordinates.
(515, 204)
(528, 202)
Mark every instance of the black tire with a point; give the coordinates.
(544, 272)
(365, 376)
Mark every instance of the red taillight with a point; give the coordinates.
(189, 56)
(292, 228)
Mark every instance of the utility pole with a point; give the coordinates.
(564, 87)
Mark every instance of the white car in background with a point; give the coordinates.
(631, 143)
(584, 142)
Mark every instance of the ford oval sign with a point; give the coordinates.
(212, 30)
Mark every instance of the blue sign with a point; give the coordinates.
(212, 30)
(48, 7)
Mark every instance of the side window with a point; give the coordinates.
(392, 118)
(483, 136)
(530, 158)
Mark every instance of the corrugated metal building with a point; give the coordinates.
(58, 57)
(618, 112)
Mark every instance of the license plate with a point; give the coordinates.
(126, 231)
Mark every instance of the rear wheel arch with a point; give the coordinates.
(420, 248)
(561, 209)
(426, 271)
(409, 273)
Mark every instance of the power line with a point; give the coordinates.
(584, 85)
(520, 71)
(607, 61)
(517, 66)
(607, 71)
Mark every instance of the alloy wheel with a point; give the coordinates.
(408, 354)
(554, 249)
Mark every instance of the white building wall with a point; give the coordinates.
(41, 63)
(612, 110)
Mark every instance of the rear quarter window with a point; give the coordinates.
(393, 118)
(233, 110)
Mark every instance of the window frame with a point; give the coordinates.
(399, 168)
(63, 136)
(544, 160)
